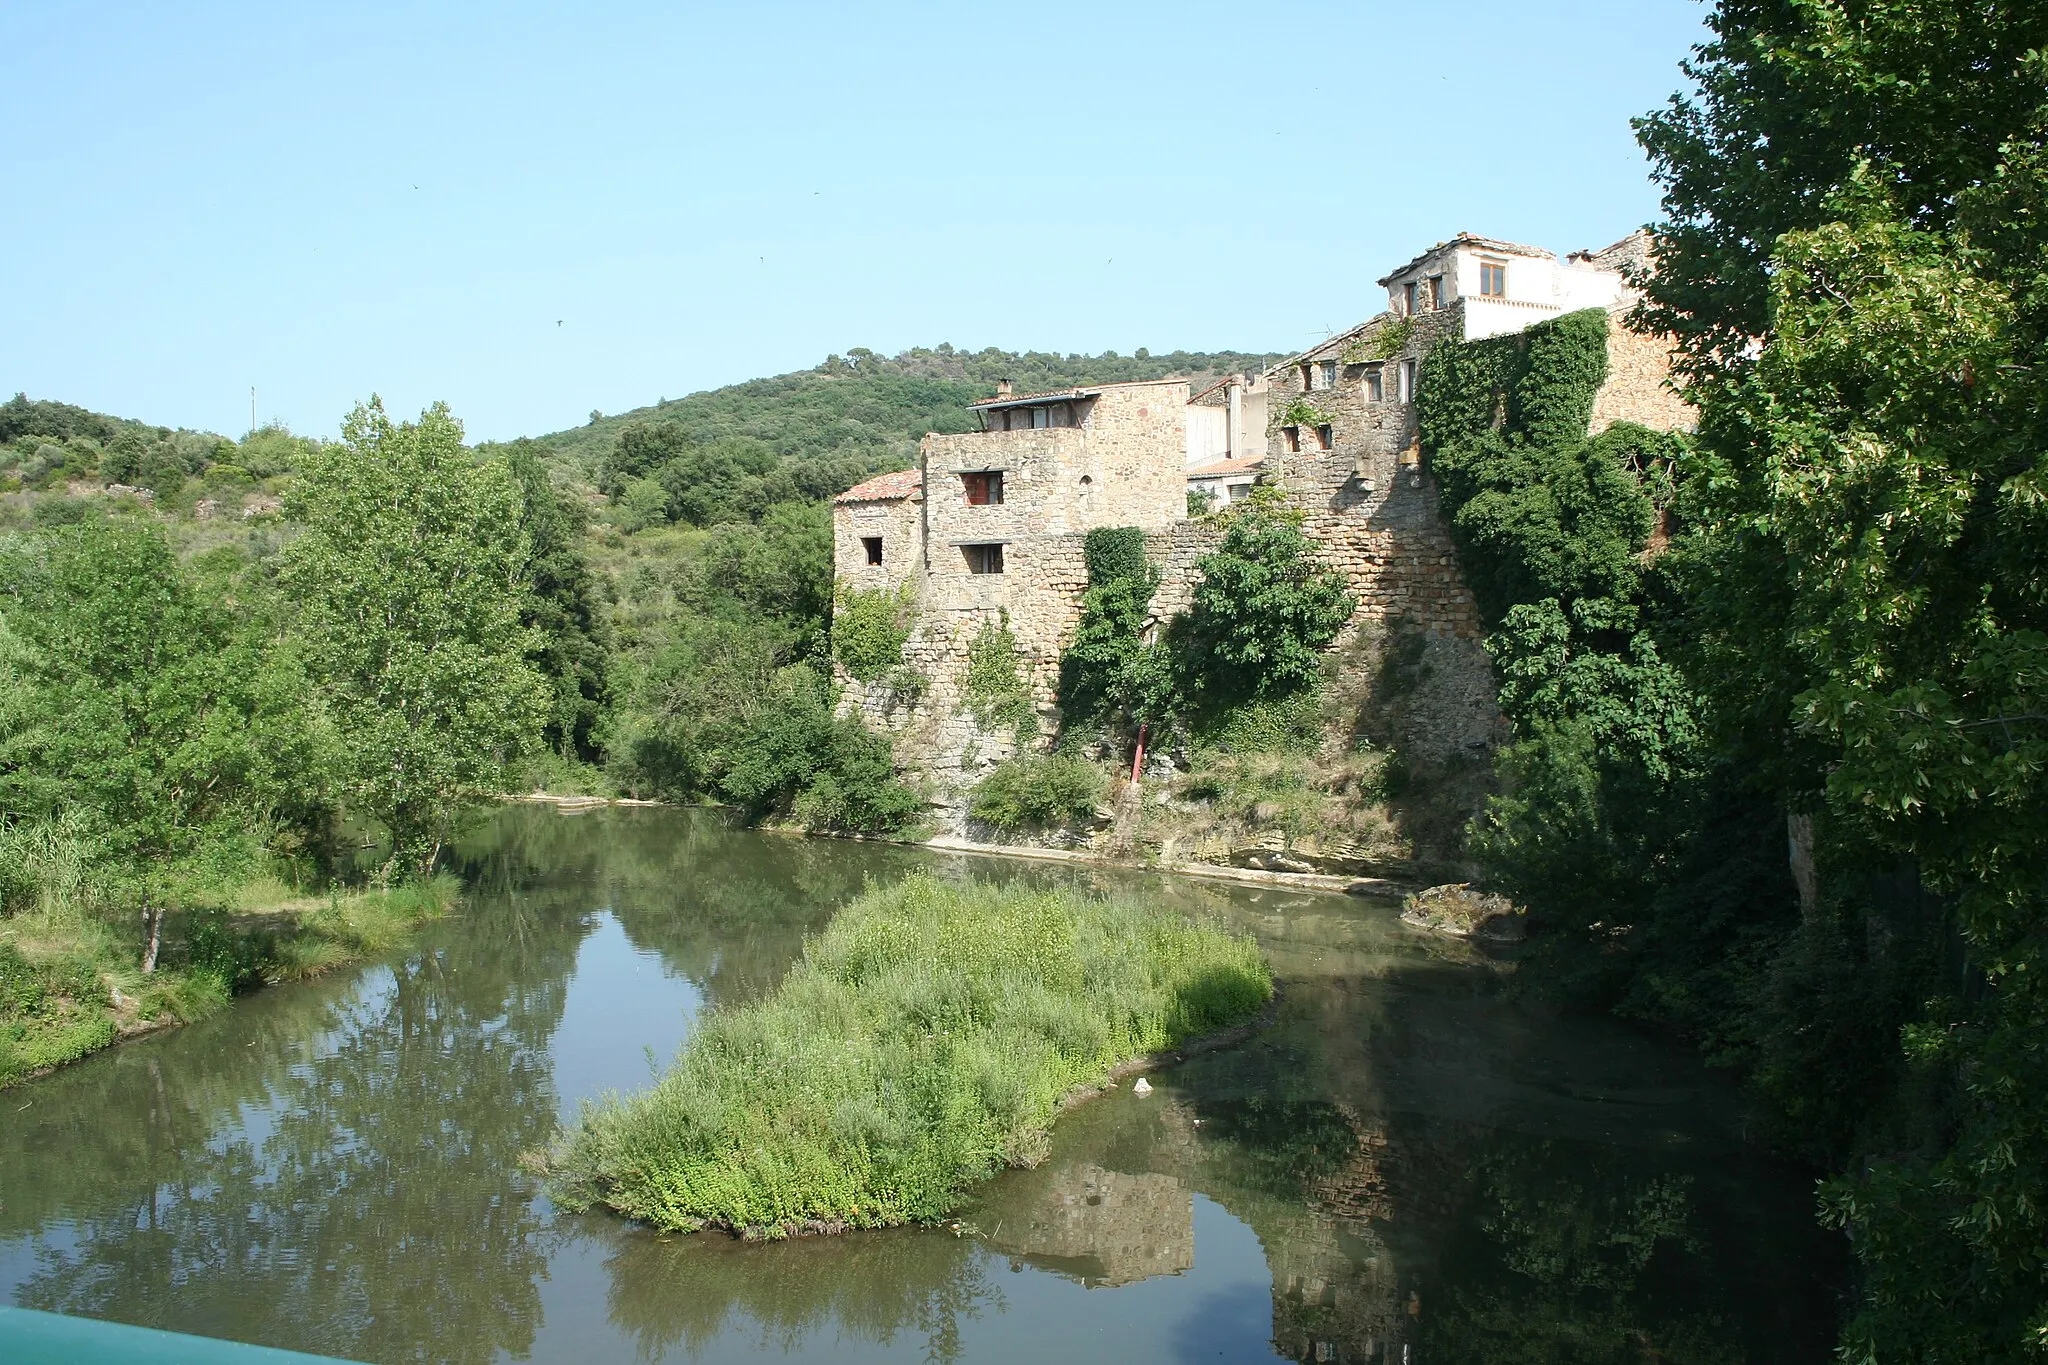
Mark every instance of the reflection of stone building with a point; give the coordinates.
(990, 527)
(1104, 1227)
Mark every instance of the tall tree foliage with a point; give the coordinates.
(410, 573)
(566, 611)
(145, 711)
(1855, 272)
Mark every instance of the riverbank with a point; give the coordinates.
(926, 1039)
(71, 985)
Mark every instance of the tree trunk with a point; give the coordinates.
(153, 916)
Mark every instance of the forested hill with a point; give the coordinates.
(870, 410)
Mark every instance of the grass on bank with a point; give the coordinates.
(925, 1040)
(71, 981)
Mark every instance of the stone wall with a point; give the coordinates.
(1639, 385)
(899, 524)
(1372, 509)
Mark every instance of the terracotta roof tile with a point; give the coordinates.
(1219, 468)
(885, 487)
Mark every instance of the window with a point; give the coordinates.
(1325, 438)
(1293, 438)
(1375, 384)
(1493, 279)
(1436, 292)
(1041, 417)
(1407, 381)
(1326, 370)
(983, 558)
(983, 488)
(1308, 376)
(873, 545)
(1408, 298)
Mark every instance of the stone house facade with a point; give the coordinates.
(990, 527)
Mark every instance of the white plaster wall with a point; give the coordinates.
(1208, 434)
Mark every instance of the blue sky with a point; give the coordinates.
(535, 211)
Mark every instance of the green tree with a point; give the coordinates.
(565, 611)
(409, 574)
(141, 705)
(1854, 270)
(1110, 676)
(1262, 612)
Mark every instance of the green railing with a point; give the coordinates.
(31, 1338)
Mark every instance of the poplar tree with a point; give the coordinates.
(411, 577)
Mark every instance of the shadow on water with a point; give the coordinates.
(1403, 1166)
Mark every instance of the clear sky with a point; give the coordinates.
(535, 211)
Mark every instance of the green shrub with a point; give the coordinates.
(1038, 791)
(993, 687)
(1262, 612)
(1289, 724)
(1115, 552)
(926, 1039)
(869, 630)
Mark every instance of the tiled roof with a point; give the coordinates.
(1079, 391)
(885, 487)
(1217, 469)
(1054, 395)
(1467, 239)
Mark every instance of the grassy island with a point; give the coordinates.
(925, 1040)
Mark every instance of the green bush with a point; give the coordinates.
(1115, 552)
(1038, 791)
(993, 687)
(869, 630)
(1262, 613)
(926, 1039)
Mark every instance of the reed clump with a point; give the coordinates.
(924, 1041)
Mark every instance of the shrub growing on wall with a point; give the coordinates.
(870, 628)
(993, 689)
(1262, 613)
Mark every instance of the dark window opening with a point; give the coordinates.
(1325, 438)
(1408, 298)
(1308, 376)
(1293, 437)
(1375, 385)
(983, 489)
(983, 558)
(1436, 292)
(1493, 279)
(873, 545)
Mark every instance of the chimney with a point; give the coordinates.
(1002, 388)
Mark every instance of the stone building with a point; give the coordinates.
(990, 527)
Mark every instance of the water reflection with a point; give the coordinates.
(1401, 1167)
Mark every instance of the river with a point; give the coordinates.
(1408, 1166)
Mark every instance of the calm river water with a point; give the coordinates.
(1406, 1167)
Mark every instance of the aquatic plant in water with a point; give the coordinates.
(924, 1041)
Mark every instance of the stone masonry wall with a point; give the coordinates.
(1372, 510)
(1639, 384)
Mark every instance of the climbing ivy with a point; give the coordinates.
(1302, 413)
(1109, 677)
(1539, 510)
